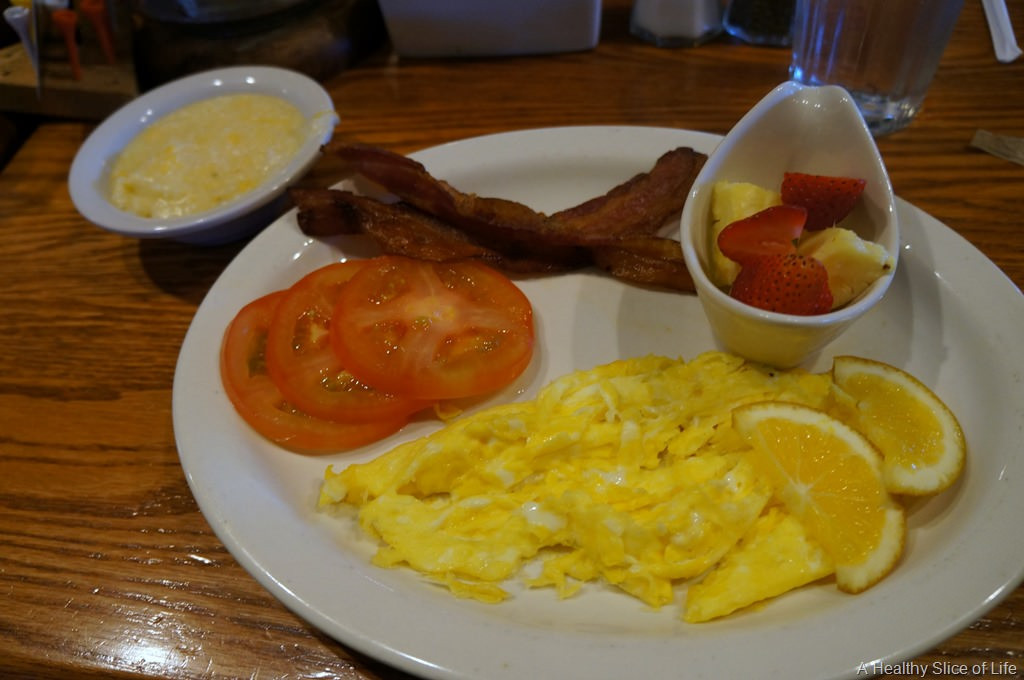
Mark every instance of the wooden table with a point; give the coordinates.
(107, 567)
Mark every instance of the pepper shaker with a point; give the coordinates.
(760, 22)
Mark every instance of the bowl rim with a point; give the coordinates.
(779, 95)
(90, 168)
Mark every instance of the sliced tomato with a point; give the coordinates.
(433, 330)
(258, 401)
(305, 368)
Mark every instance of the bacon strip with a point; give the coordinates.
(616, 231)
(400, 229)
(640, 205)
(650, 261)
(510, 225)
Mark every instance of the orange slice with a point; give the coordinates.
(829, 477)
(921, 441)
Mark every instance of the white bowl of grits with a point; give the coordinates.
(794, 128)
(204, 159)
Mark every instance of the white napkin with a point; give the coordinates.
(999, 26)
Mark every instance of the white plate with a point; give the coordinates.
(951, 318)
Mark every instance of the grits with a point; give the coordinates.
(206, 154)
(629, 473)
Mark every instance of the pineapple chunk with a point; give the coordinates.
(731, 201)
(853, 264)
(775, 557)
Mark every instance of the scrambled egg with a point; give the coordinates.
(629, 473)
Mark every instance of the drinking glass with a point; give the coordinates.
(883, 52)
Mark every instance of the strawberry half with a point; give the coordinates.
(772, 230)
(827, 199)
(789, 283)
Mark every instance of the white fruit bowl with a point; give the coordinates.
(797, 128)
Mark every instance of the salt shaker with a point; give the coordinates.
(676, 23)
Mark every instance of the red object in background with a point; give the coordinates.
(96, 12)
(67, 20)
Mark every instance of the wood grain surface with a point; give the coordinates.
(107, 567)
